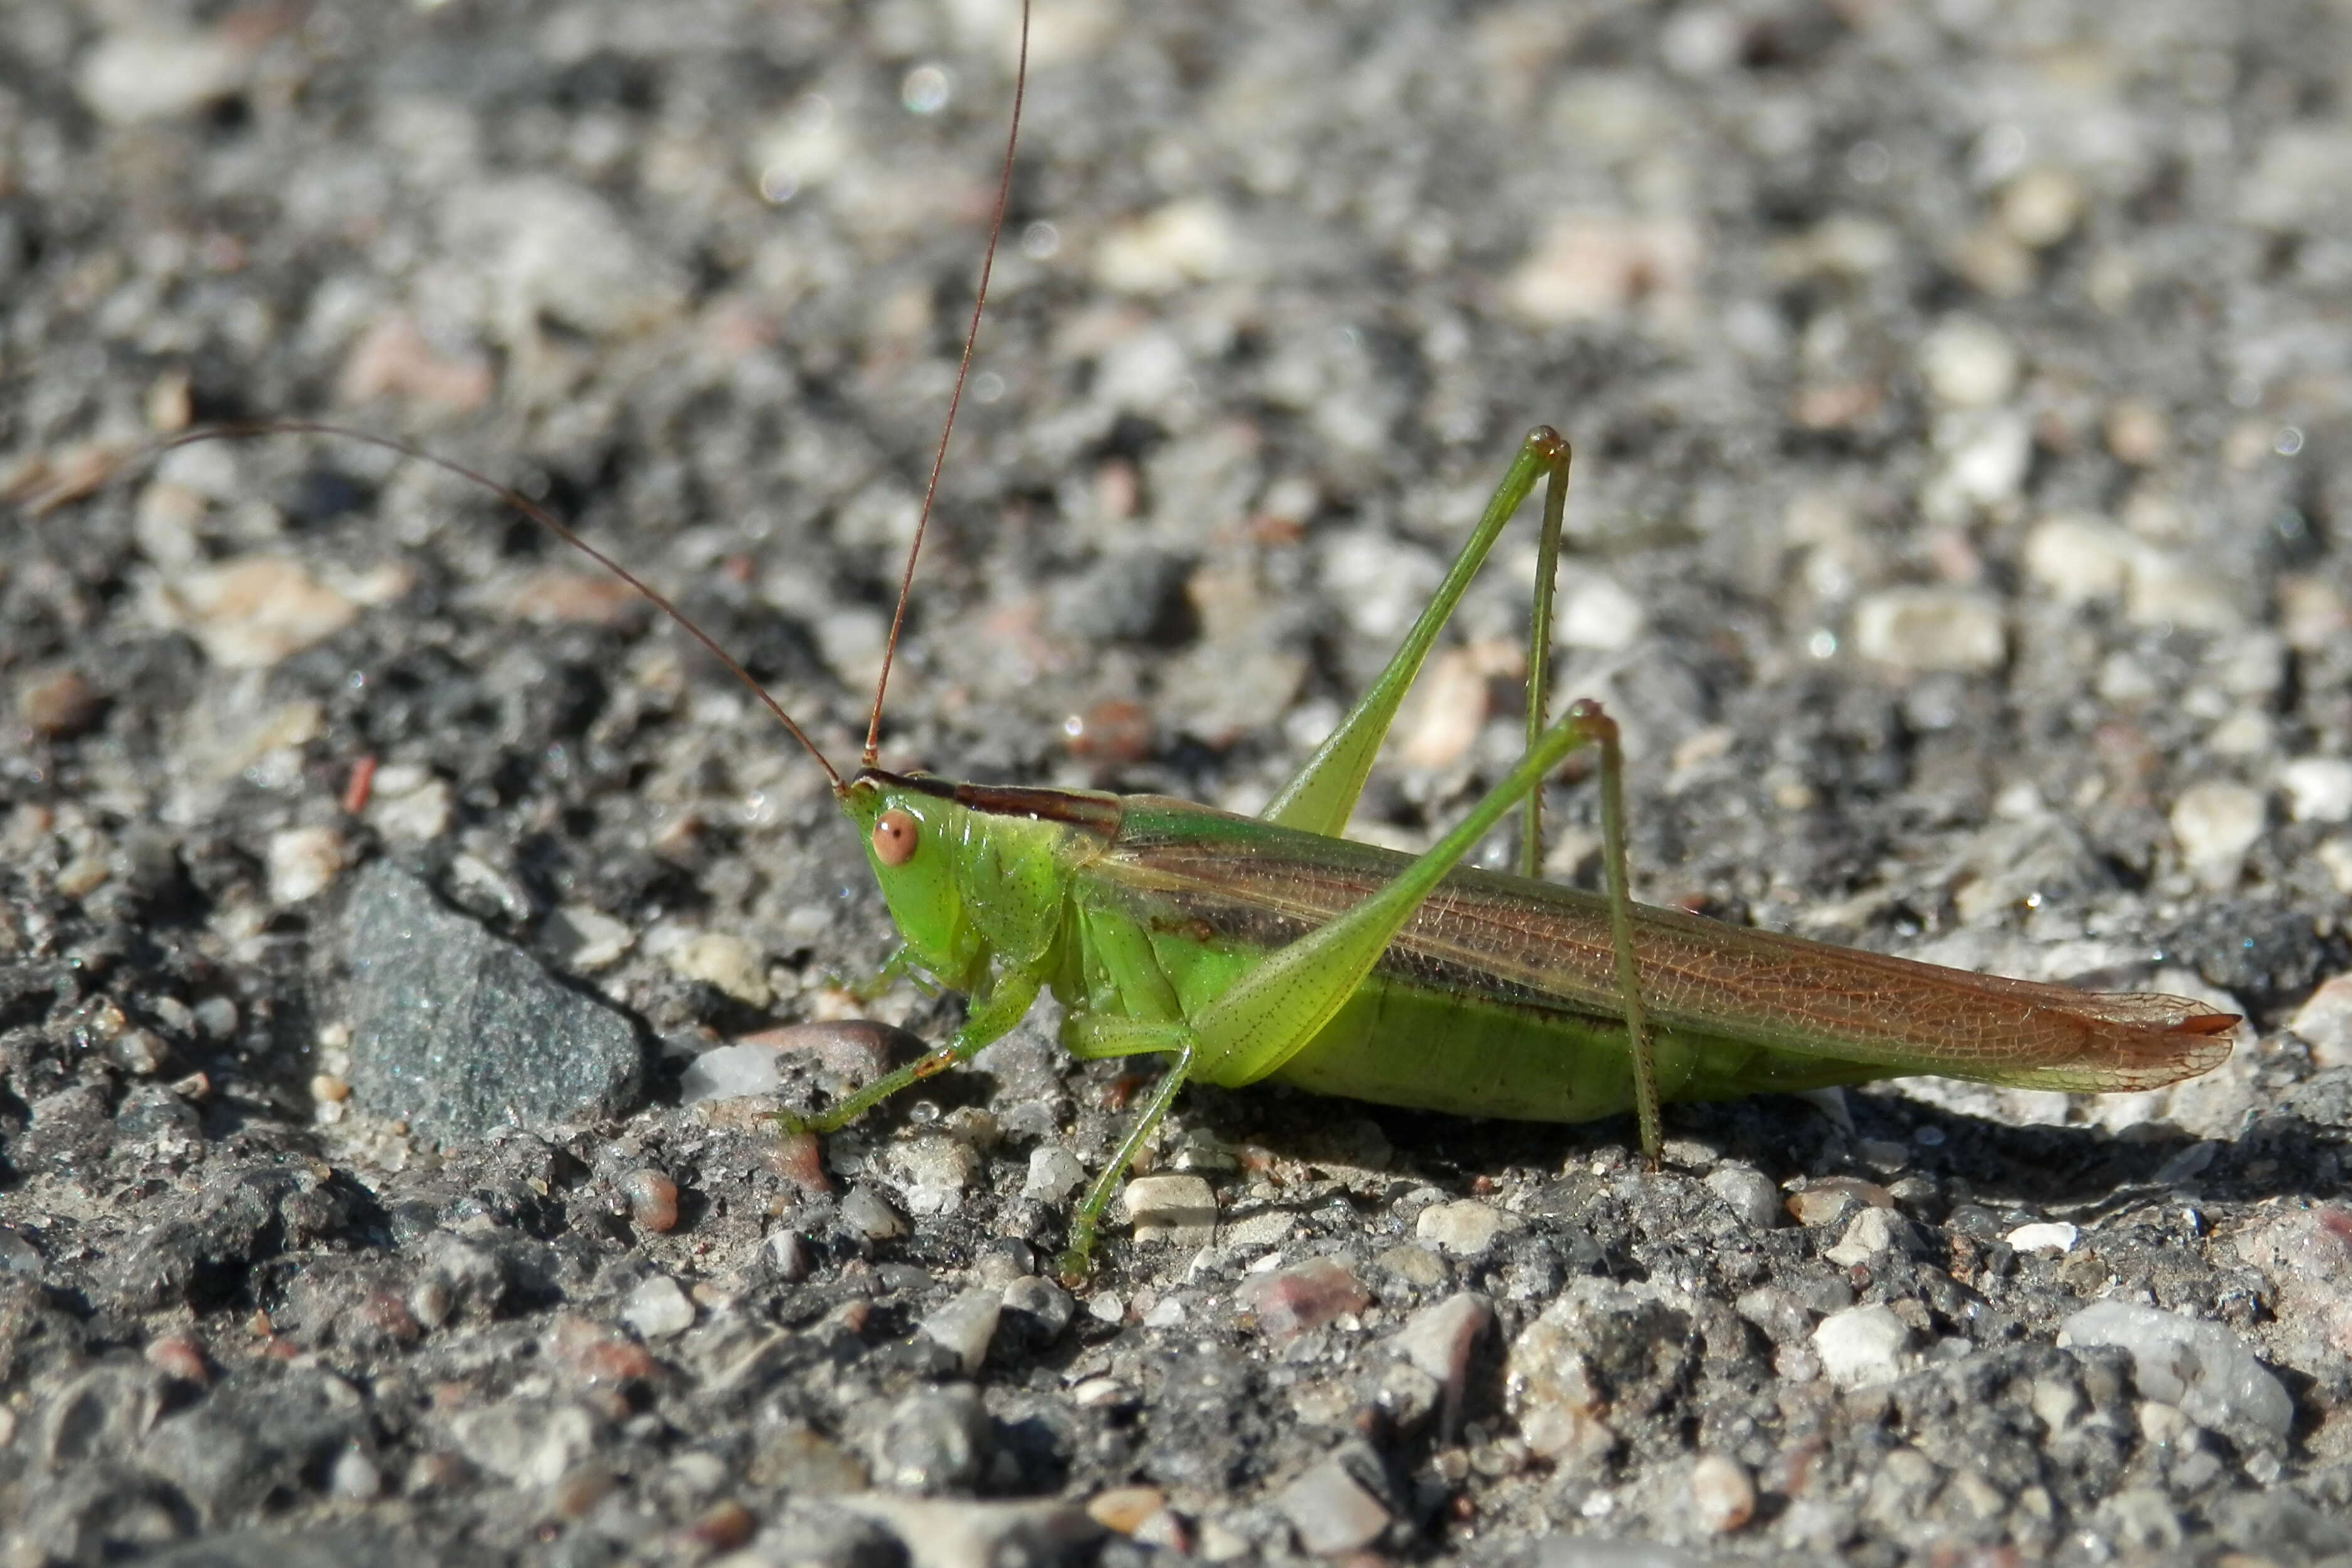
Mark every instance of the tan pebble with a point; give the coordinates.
(44, 482)
(2312, 614)
(1124, 1508)
(800, 1159)
(385, 1310)
(858, 1049)
(251, 612)
(1826, 1201)
(179, 1356)
(1116, 731)
(56, 702)
(169, 404)
(2137, 432)
(326, 1086)
(429, 1304)
(1447, 712)
(597, 1354)
(722, 1527)
(581, 1489)
(652, 1198)
(2040, 206)
(394, 359)
(1835, 406)
(561, 596)
(83, 875)
(1993, 262)
(437, 1473)
(1722, 1495)
(1595, 265)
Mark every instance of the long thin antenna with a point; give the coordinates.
(873, 751)
(538, 514)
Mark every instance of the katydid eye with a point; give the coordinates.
(894, 838)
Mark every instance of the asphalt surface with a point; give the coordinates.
(398, 916)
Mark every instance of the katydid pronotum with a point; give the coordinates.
(1247, 950)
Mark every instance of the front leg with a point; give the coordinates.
(1005, 1003)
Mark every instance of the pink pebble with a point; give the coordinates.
(1289, 1302)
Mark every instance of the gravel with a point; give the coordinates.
(405, 938)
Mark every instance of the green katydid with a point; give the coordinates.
(1247, 950)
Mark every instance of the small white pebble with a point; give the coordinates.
(1465, 1228)
(1054, 1174)
(2215, 823)
(964, 1324)
(729, 1072)
(2047, 1235)
(2079, 558)
(1108, 1306)
(2169, 589)
(2325, 1022)
(354, 1478)
(1190, 240)
(302, 862)
(658, 1308)
(1097, 1392)
(430, 1303)
(141, 1052)
(932, 1171)
(866, 1212)
(2334, 858)
(2318, 789)
(787, 1254)
(1987, 452)
(1869, 1234)
(1748, 1193)
(1968, 363)
(1861, 1346)
(727, 961)
(1599, 613)
(1931, 629)
(1178, 1210)
(417, 816)
(589, 939)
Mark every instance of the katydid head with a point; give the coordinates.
(909, 839)
(973, 873)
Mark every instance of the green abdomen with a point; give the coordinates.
(1448, 1039)
(1400, 1044)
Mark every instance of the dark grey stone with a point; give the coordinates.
(459, 1033)
(260, 1434)
(934, 1440)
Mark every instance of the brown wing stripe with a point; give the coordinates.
(1098, 813)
